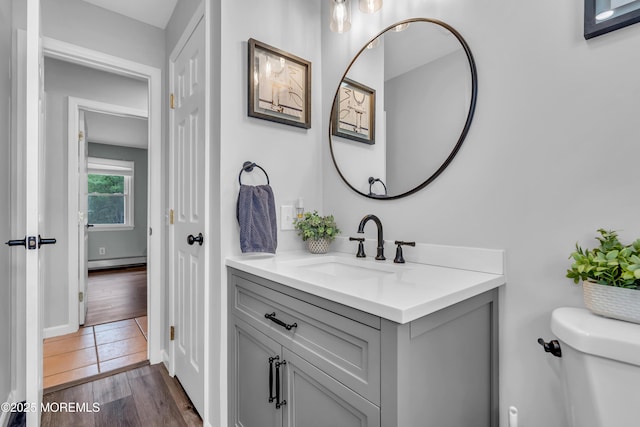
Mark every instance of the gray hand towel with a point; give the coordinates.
(256, 212)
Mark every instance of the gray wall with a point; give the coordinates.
(5, 200)
(426, 111)
(62, 80)
(123, 243)
(551, 156)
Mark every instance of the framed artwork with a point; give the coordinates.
(604, 16)
(279, 86)
(355, 112)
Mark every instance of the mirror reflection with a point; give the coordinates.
(403, 108)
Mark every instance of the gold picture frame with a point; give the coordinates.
(279, 86)
(355, 112)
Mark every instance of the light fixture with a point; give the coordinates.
(370, 6)
(604, 15)
(340, 16)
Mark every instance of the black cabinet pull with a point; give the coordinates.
(199, 238)
(279, 403)
(271, 360)
(272, 317)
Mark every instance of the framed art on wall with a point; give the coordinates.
(279, 86)
(355, 115)
(603, 16)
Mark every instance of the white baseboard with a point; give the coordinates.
(116, 262)
(55, 331)
(5, 415)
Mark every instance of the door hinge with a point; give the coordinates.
(80, 296)
(172, 333)
(170, 216)
(80, 136)
(171, 102)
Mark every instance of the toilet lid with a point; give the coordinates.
(597, 335)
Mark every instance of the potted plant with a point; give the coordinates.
(610, 275)
(318, 231)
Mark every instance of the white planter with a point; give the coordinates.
(320, 246)
(611, 301)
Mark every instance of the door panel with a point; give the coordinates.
(314, 399)
(250, 367)
(188, 187)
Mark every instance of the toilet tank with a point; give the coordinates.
(600, 368)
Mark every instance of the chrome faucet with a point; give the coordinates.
(380, 251)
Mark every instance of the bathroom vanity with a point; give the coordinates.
(331, 340)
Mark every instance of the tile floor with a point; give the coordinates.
(93, 350)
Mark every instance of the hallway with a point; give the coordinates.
(116, 294)
(93, 350)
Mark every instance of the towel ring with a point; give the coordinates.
(248, 167)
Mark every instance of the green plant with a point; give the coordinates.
(612, 263)
(313, 226)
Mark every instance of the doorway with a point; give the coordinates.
(107, 175)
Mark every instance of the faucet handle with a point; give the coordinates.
(360, 241)
(399, 259)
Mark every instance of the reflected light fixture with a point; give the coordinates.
(370, 6)
(604, 15)
(374, 43)
(340, 16)
(401, 27)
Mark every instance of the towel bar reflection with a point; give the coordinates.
(248, 167)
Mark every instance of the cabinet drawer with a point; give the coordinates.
(345, 349)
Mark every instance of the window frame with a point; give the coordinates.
(125, 168)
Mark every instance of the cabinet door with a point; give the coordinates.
(249, 370)
(314, 399)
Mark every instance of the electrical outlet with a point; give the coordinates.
(102, 251)
(287, 215)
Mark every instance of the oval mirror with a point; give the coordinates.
(403, 108)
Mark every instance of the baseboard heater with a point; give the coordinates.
(116, 262)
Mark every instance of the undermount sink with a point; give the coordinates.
(345, 268)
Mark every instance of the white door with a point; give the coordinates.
(83, 220)
(28, 180)
(189, 217)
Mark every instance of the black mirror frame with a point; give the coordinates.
(594, 29)
(463, 134)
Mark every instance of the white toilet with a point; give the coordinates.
(600, 368)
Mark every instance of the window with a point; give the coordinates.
(110, 189)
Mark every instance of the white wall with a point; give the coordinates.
(116, 130)
(5, 201)
(61, 80)
(89, 26)
(359, 161)
(291, 156)
(551, 156)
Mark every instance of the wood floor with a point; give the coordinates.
(145, 396)
(94, 350)
(116, 294)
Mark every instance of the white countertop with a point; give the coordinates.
(397, 292)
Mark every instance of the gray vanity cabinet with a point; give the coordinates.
(342, 367)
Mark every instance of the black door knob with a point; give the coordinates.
(191, 239)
